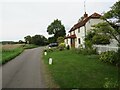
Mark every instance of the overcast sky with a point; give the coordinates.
(19, 18)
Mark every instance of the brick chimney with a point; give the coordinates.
(85, 15)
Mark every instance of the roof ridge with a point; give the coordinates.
(84, 21)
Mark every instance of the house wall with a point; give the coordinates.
(72, 32)
(67, 42)
(92, 22)
(80, 35)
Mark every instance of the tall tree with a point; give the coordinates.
(114, 13)
(100, 34)
(39, 40)
(57, 29)
(28, 39)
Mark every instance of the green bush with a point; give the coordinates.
(109, 57)
(51, 49)
(61, 46)
(88, 44)
(110, 83)
(101, 39)
(86, 51)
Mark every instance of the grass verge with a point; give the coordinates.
(48, 78)
(71, 70)
(10, 53)
(7, 55)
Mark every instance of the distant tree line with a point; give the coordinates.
(8, 42)
(37, 40)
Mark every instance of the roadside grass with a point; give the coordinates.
(7, 55)
(71, 70)
(11, 51)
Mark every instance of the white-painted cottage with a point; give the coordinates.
(77, 33)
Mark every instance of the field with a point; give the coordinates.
(10, 51)
(71, 70)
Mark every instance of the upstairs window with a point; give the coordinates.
(78, 30)
(74, 32)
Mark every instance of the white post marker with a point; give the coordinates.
(45, 53)
(50, 60)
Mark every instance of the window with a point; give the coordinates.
(79, 42)
(78, 30)
(67, 41)
(74, 32)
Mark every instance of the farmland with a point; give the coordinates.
(10, 51)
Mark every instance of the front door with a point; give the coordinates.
(72, 42)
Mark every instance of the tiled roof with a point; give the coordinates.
(84, 21)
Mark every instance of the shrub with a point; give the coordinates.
(60, 40)
(88, 44)
(110, 83)
(61, 46)
(109, 56)
(51, 49)
(100, 39)
(86, 51)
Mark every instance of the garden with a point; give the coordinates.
(72, 69)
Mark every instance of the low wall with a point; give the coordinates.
(104, 48)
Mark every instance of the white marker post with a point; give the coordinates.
(45, 53)
(50, 61)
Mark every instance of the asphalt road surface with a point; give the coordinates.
(25, 71)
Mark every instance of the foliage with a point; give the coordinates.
(101, 33)
(109, 57)
(51, 39)
(11, 51)
(37, 40)
(101, 39)
(88, 44)
(88, 39)
(28, 39)
(71, 70)
(113, 13)
(110, 83)
(61, 46)
(10, 54)
(57, 29)
(21, 42)
(90, 35)
(86, 51)
(60, 40)
(98, 35)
